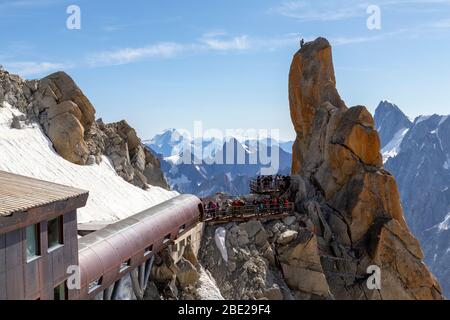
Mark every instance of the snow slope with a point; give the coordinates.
(28, 152)
(393, 147)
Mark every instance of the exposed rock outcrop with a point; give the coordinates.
(68, 119)
(251, 270)
(184, 279)
(352, 201)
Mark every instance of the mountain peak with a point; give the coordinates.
(390, 120)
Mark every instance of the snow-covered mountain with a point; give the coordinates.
(207, 166)
(392, 125)
(172, 142)
(418, 155)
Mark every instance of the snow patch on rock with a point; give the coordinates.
(207, 288)
(393, 147)
(219, 237)
(445, 225)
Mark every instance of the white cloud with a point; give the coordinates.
(29, 3)
(31, 68)
(325, 10)
(218, 41)
(127, 55)
(211, 41)
(442, 24)
(332, 10)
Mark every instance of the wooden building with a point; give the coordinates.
(38, 237)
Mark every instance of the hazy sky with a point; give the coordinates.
(162, 64)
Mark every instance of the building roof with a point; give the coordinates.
(20, 194)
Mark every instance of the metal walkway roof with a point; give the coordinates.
(19, 193)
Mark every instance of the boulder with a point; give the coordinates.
(15, 123)
(187, 274)
(63, 88)
(252, 227)
(151, 292)
(67, 134)
(189, 255)
(261, 237)
(403, 274)
(274, 293)
(287, 237)
(64, 107)
(289, 221)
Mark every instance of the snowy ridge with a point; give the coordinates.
(445, 225)
(393, 148)
(28, 152)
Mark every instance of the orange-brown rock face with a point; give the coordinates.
(355, 203)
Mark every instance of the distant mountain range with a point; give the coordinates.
(205, 167)
(417, 153)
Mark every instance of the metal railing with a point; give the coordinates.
(268, 186)
(249, 210)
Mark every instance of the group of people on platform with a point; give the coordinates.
(239, 207)
(272, 183)
(257, 204)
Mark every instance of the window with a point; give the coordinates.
(183, 227)
(94, 285)
(166, 238)
(55, 234)
(60, 292)
(148, 251)
(33, 243)
(125, 265)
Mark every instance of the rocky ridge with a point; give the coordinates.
(67, 117)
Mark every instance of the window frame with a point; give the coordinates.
(148, 251)
(66, 291)
(125, 266)
(167, 238)
(37, 230)
(95, 285)
(60, 224)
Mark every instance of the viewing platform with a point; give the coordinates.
(266, 203)
(247, 212)
(270, 185)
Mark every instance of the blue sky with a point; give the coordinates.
(163, 64)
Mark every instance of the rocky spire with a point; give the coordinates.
(344, 189)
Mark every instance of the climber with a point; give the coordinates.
(302, 43)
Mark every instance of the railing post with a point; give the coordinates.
(117, 289)
(107, 294)
(138, 292)
(148, 270)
